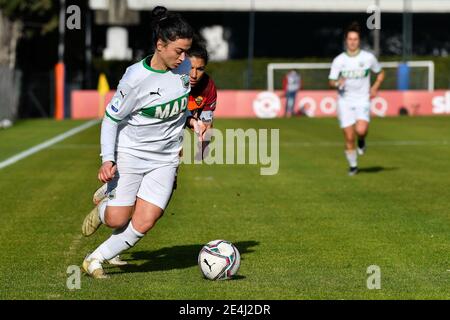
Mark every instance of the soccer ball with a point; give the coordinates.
(219, 260)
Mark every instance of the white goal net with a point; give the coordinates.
(315, 75)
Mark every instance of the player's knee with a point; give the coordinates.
(114, 222)
(144, 224)
(148, 223)
(361, 132)
(116, 219)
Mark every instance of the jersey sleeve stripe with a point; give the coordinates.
(111, 117)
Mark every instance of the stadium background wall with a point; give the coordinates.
(314, 103)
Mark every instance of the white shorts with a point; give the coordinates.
(135, 177)
(349, 112)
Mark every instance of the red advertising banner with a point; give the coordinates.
(266, 104)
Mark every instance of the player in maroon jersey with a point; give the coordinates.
(203, 95)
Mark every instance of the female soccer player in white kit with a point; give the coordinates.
(141, 137)
(350, 74)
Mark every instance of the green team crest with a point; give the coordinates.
(185, 80)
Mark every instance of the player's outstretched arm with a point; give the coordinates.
(376, 85)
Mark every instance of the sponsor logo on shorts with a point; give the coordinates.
(112, 195)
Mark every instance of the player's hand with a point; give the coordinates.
(203, 129)
(206, 135)
(194, 124)
(107, 171)
(373, 92)
(340, 83)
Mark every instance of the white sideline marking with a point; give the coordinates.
(47, 144)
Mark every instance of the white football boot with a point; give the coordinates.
(361, 151)
(117, 261)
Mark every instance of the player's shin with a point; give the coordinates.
(361, 146)
(121, 240)
(352, 158)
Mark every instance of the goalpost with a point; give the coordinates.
(315, 72)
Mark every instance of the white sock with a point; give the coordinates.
(102, 210)
(121, 240)
(352, 158)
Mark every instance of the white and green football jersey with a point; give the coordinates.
(150, 109)
(356, 71)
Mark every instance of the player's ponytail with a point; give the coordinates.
(169, 26)
(159, 13)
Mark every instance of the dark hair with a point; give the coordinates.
(198, 49)
(353, 27)
(169, 26)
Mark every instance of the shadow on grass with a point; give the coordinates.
(170, 258)
(375, 169)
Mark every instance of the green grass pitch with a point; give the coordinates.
(309, 232)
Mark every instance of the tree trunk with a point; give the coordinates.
(10, 32)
